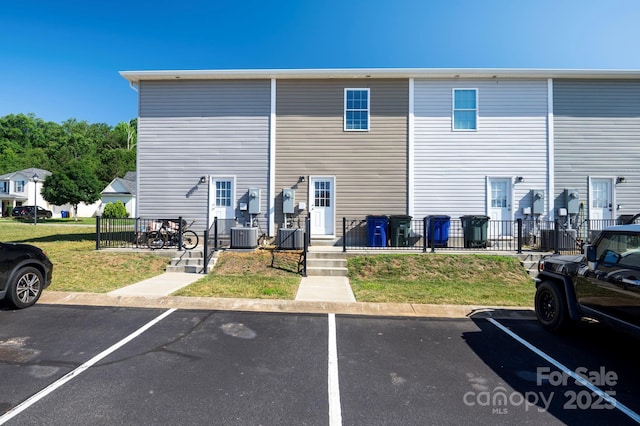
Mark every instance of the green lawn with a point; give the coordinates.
(414, 278)
(441, 279)
(77, 266)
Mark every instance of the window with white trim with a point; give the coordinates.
(465, 109)
(356, 110)
(19, 186)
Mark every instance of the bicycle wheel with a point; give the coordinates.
(189, 240)
(155, 240)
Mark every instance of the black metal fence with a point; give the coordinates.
(217, 237)
(396, 233)
(468, 233)
(129, 232)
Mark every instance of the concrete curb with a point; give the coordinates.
(287, 306)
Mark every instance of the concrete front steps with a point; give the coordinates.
(190, 261)
(326, 264)
(529, 262)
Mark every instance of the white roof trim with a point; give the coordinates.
(134, 77)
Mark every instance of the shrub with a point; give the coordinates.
(115, 210)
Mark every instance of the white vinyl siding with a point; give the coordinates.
(451, 168)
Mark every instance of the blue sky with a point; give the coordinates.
(60, 59)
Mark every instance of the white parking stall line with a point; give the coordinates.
(335, 411)
(72, 374)
(605, 396)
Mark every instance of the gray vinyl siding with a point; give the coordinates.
(597, 133)
(451, 167)
(189, 129)
(370, 167)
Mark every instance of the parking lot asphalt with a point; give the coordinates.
(73, 364)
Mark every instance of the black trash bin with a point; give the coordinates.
(475, 231)
(439, 225)
(400, 230)
(377, 231)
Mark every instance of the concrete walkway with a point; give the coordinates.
(160, 285)
(311, 289)
(325, 289)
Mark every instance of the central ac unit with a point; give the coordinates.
(290, 239)
(244, 238)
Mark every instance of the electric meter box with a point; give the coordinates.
(537, 203)
(572, 197)
(288, 201)
(254, 200)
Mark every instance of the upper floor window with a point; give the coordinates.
(4, 187)
(356, 109)
(19, 185)
(465, 109)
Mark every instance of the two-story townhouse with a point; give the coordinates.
(203, 142)
(348, 143)
(596, 132)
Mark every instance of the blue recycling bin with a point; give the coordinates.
(377, 231)
(439, 225)
(64, 214)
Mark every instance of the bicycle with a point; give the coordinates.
(167, 235)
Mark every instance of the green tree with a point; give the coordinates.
(76, 184)
(114, 163)
(28, 141)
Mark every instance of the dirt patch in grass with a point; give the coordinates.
(263, 262)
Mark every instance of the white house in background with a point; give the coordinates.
(23, 188)
(121, 189)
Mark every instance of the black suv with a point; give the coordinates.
(25, 271)
(603, 284)
(27, 211)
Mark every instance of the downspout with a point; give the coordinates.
(411, 152)
(272, 160)
(551, 187)
(136, 88)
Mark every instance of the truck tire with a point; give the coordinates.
(551, 306)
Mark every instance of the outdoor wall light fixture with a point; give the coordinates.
(621, 179)
(203, 179)
(519, 179)
(301, 179)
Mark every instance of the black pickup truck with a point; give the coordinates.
(603, 284)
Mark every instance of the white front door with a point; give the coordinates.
(222, 199)
(601, 200)
(322, 205)
(500, 204)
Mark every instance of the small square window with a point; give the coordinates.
(356, 109)
(465, 109)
